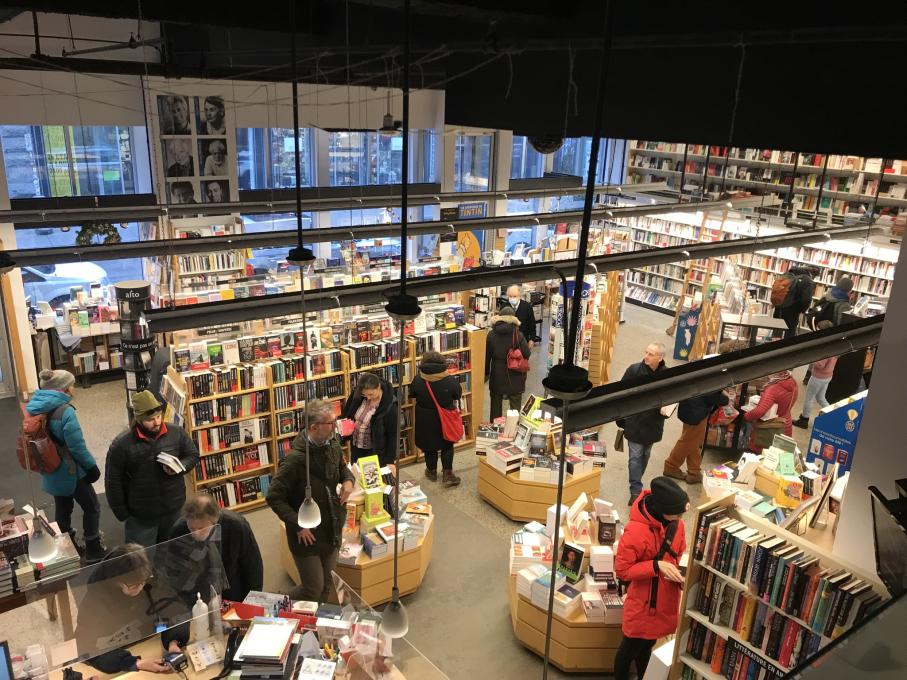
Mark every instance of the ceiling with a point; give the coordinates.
(811, 79)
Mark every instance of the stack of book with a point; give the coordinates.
(541, 586)
(567, 600)
(529, 548)
(270, 648)
(66, 560)
(597, 453)
(593, 606)
(526, 577)
(504, 457)
(487, 435)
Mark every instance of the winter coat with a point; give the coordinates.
(823, 368)
(498, 342)
(383, 424)
(646, 427)
(236, 548)
(287, 491)
(634, 563)
(526, 316)
(780, 392)
(447, 391)
(66, 429)
(136, 484)
(694, 410)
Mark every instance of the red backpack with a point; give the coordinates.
(36, 449)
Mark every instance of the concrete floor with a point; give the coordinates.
(459, 618)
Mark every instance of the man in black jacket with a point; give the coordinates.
(801, 300)
(694, 414)
(142, 492)
(525, 314)
(643, 429)
(221, 540)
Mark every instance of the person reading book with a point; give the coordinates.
(373, 409)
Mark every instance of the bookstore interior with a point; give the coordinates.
(251, 308)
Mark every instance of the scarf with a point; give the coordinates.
(432, 377)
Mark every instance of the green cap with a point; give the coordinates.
(144, 404)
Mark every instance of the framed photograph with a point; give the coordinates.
(178, 161)
(211, 115)
(182, 192)
(212, 157)
(174, 114)
(216, 191)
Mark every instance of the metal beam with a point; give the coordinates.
(609, 402)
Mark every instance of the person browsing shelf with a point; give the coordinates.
(372, 407)
(434, 381)
(503, 336)
(780, 391)
(314, 550)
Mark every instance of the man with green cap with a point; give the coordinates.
(142, 492)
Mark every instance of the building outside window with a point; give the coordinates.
(267, 259)
(472, 163)
(525, 161)
(266, 158)
(367, 158)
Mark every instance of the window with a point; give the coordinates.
(573, 157)
(472, 163)
(266, 158)
(526, 161)
(56, 160)
(362, 158)
(267, 259)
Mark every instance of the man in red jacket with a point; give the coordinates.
(647, 558)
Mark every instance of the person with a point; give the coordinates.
(182, 160)
(523, 312)
(642, 430)
(372, 407)
(314, 550)
(182, 193)
(214, 117)
(216, 160)
(833, 305)
(694, 414)
(435, 383)
(234, 546)
(71, 482)
(214, 191)
(780, 390)
(504, 335)
(647, 558)
(179, 116)
(821, 372)
(143, 493)
(802, 297)
(123, 604)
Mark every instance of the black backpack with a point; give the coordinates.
(825, 310)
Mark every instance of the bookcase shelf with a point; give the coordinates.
(221, 395)
(235, 447)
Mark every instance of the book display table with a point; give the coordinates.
(523, 500)
(576, 645)
(372, 579)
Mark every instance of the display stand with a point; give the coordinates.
(523, 500)
(136, 341)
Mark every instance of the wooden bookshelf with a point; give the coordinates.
(604, 331)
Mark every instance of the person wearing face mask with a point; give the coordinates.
(372, 407)
(524, 313)
(143, 493)
(218, 539)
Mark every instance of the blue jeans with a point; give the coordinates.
(815, 389)
(150, 532)
(638, 461)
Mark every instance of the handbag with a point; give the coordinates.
(516, 362)
(451, 420)
(619, 439)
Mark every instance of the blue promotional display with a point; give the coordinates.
(686, 332)
(834, 435)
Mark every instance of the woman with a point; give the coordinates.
(504, 335)
(781, 389)
(647, 558)
(71, 482)
(123, 605)
(821, 373)
(434, 380)
(372, 407)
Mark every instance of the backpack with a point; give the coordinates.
(36, 449)
(784, 291)
(824, 310)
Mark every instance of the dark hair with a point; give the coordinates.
(368, 381)
(130, 559)
(432, 357)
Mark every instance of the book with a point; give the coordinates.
(571, 562)
(215, 354)
(171, 462)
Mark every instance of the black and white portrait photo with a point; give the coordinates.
(178, 160)
(217, 191)
(211, 115)
(182, 192)
(175, 114)
(213, 156)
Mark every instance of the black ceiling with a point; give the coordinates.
(812, 79)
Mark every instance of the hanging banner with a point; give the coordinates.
(686, 333)
(834, 435)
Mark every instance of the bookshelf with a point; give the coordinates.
(604, 331)
(757, 594)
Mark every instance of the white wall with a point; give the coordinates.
(879, 457)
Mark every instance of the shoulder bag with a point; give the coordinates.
(516, 362)
(451, 420)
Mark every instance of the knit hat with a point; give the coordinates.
(56, 380)
(144, 404)
(505, 309)
(845, 283)
(667, 497)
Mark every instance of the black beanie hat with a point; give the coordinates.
(667, 497)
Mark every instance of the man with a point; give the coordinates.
(524, 314)
(182, 193)
(800, 299)
(220, 540)
(216, 160)
(214, 117)
(182, 159)
(145, 494)
(214, 191)
(314, 550)
(644, 429)
(179, 116)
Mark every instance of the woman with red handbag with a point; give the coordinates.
(506, 361)
(438, 422)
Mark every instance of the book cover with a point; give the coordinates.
(231, 351)
(215, 353)
(246, 349)
(571, 562)
(275, 346)
(180, 360)
(198, 355)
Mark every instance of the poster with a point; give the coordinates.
(834, 434)
(686, 333)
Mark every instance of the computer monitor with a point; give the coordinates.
(888, 528)
(6, 662)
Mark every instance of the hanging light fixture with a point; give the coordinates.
(309, 515)
(401, 307)
(389, 125)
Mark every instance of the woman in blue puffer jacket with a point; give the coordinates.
(71, 482)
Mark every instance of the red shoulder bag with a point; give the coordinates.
(451, 420)
(516, 362)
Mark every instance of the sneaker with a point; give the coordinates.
(802, 422)
(432, 475)
(450, 479)
(675, 475)
(694, 479)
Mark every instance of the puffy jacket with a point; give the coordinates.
(136, 483)
(383, 423)
(447, 391)
(66, 429)
(694, 410)
(781, 392)
(498, 343)
(634, 563)
(646, 427)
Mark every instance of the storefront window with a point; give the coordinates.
(472, 163)
(573, 157)
(526, 161)
(266, 158)
(264, 260)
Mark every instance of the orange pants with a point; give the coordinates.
(688, 449)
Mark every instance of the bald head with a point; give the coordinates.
(655, 352)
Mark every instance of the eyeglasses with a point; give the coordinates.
(138, 584)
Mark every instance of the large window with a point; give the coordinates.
(526, 161)
(266, 158)
(360, 158)
(268, 259)
(472, 163)
(60, 160)
(573, 157)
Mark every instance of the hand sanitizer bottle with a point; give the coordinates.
(200, 628)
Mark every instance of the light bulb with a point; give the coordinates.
(309, 513)
(41, 546)
(394, 619)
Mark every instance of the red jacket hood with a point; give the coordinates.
(638, 512)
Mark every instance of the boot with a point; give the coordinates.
(94, 550)
(450, 479)
(802, 422)
(431, 475)
(670, 472)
